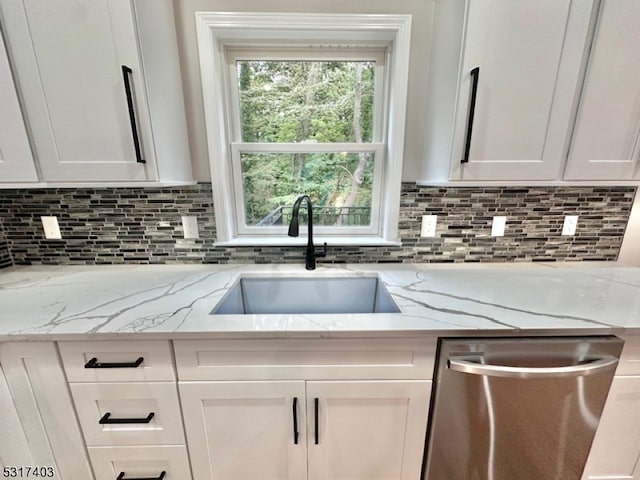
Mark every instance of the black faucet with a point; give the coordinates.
(310, 260)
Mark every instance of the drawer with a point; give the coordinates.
(297, 359)
(144, 413)
(116, 361)
(140, 462)
(630, 358)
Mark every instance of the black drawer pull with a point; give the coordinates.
(94, 363)
(316, 421)
(475, 76)
(121, 477)
(106, 419)
(295, 420)
(126, 71)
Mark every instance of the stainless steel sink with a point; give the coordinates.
(287, 295)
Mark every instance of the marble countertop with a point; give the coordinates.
(175, 301)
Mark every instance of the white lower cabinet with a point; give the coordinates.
(615, 454)
(135, 413)
(245, 429)
(16, 452)
(38, 425)
(161, 462)
(331, 409)
(132, 423)
(291, 430)
(367, 430)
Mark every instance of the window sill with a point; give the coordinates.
(302, 241)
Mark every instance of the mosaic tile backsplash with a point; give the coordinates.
(143, 225)
(5, 255)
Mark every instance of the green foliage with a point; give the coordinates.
(297, 101)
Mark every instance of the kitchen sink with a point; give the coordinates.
(291, 295)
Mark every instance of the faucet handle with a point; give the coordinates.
(323, 253)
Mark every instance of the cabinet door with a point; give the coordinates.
(371, 430)
(39, 390)
(16, 451)
(68, 56)
(606, 138)
(615, 453)
(16, 160)
(529, 56)
(245, 430)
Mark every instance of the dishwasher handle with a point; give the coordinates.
(582, 370)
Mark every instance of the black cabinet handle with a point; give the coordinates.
(475, 75)
(315, 420)
(295, 420)
(106, 419)
(122, 474)
(94, 363)
(126, 71)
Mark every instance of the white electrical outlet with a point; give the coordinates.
(497, 226)
(190, 227)
(570, 225)
(429, 225)
(51, 227)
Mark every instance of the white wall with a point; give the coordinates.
(421, 11)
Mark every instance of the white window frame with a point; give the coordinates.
(222, 34)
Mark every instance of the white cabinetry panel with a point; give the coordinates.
(140, 462)
(15, 452)
(156, 365)
(367, 430)
(73, 60)
(16, 160)
(529, 55)
(615, 453)
(129, 401)
(69, 58)
(606, 138)
(301, 359)
(41, 397)
(245, 430)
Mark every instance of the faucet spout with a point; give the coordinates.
(294, 230)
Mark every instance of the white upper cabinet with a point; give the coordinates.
(16, 160)
(525, 57)
(606, 137)
(534, 90)
(101, 88)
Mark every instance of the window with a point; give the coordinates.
(304, 104)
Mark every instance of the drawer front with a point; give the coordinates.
(130, 406)
(156, 364)
(305, 359)
(140, 462)
(630, 358)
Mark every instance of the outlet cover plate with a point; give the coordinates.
(51, 228)
(190, 227)
(498, 225)
(429, 225)
(570, 224)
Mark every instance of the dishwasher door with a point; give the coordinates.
(517, 409)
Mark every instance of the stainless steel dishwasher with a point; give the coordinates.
(517, 408)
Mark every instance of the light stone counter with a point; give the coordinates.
(175, 301)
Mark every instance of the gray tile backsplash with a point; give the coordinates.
(5, 254)
(143, 225)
